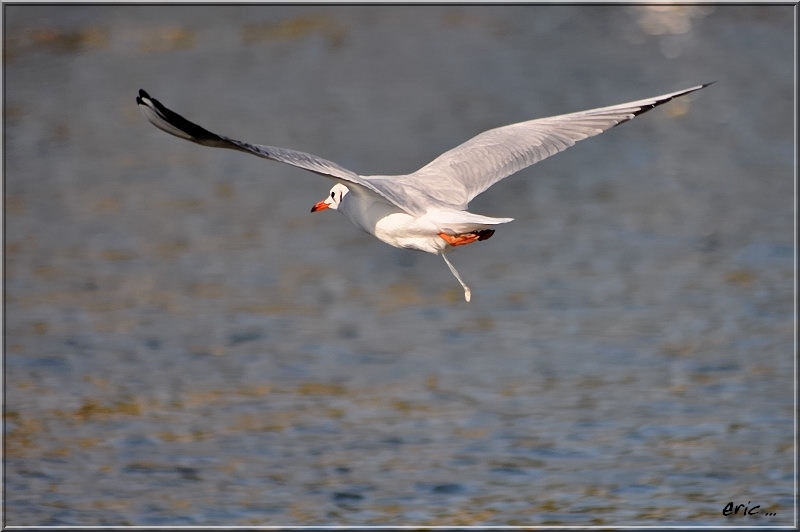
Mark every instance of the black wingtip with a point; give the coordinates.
(645, 108)
(197, 133)
(142, 94)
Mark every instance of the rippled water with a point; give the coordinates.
(186, 345)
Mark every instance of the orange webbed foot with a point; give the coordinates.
(467, 238)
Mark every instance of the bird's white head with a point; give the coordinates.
(334, 199)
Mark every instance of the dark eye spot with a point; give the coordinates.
(333, 194)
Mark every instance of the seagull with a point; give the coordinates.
(427, 210)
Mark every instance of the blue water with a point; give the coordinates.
(185, 344)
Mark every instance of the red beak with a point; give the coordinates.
(321, 205)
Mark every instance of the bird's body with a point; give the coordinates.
(402, 230)
(427, 210)
(389, 224)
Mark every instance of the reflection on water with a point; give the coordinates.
(186, 345)
(666, 19)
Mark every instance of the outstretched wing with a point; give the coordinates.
(460, 174)
(167, 120)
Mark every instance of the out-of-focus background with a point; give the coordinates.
(186, 344)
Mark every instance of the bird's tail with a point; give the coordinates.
(457, 222)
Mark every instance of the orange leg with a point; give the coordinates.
(467, 238)
(459, 240)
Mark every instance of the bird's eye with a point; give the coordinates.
(333, 194)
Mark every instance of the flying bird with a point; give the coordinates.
(427, 210)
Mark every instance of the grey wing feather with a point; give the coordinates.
(167, 120)
(460, 174)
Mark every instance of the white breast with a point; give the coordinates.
(402, 230)
(391, 225)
